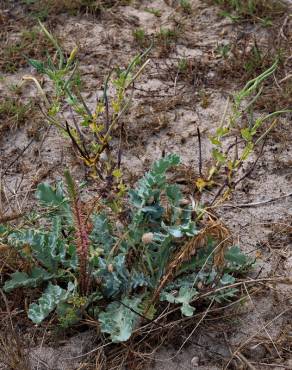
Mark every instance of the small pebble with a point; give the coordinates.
(289, 363)
(195, 361)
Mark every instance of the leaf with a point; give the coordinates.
(201, 183)
(153, 212)
(101, 234)
(138, 279)
(224, 295)
(174, 231)
(178, 231)
(39, 66)
(221, 131)
(227, 279)
(49, 300)
(117, 173)
(164, 164)
(153, 181)
(55, 197)
(68, 315)
(218, 156)
(246, 134)
(189, 229)
(48, 247)
(22, 279)
(114, 275)
(247, 151)
(3, 230)
(174, 194)
(184, 297)
(236, 259)
(148, 308)
(203, 257)
(215, 141)
(50, 196)
(71, 186)
(118, 320)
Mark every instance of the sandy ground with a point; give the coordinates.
(167, 109)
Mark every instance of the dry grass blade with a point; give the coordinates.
(213, 229)
(263, 327)
(12, 352)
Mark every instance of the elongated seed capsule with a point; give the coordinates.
(110, 268)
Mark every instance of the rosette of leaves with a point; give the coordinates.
(122, 269)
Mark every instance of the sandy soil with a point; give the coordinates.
(168, 107)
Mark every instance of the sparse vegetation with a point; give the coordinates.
(186, 6)
(89, 131)
(14, 53)
(153, 11)
(223, 50)
(42, 9)
(13, 112)
(182, 65)
(260, 10)
(140, 36)
(101, 226)
(242, 106)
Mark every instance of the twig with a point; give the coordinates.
(285, 78)
(223, 186)
(255, 204)
(195, 328)
(7, 309)
(78, 130)
(105, 99)
(240, 179)
(245, 360)
(78, 93)
(266, 331)
(200, 151)
(175, 83)
(88, 353)
(252, 167)
(19, 155)
(83, 154)
(254, 335)
(281, 32)
(275, 366)
(120, 149)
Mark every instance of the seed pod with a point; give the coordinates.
(110, 268)
(184, 202)
(147, 238)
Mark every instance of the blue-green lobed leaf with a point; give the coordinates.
(22, 279)
(119, 319)
(101, 234)
(184, 297)
(49, 300)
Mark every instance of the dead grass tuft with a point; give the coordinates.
(12, 352)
